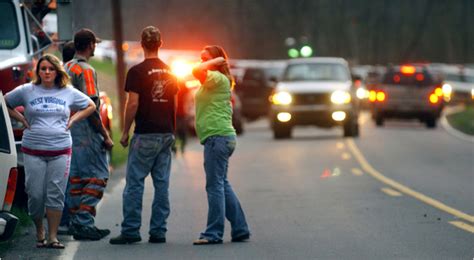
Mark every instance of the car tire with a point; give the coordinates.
(379, 121)
(281, 132)
(431, 122)
(351, 129)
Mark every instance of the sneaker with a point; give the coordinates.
(122, 240)
(241, 238)
(157, 240)
(86, 233)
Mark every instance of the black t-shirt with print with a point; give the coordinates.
(156, 86)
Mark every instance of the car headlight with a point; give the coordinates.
(282, 98)
(340, 97)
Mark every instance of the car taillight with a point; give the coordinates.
(377, 96)
(407, 69)
(11, 188)
(434, 98)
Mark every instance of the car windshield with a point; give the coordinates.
(316, 71)
(9, 35)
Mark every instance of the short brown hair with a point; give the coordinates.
(83, 38)
(151, 38)
(62, 78)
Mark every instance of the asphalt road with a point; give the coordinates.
(398, 192)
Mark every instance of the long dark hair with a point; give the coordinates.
(217, 51)
(62, 78)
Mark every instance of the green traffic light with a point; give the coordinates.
(306, 51)
(293, 53)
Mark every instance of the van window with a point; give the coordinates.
(9, 35)
(4, 141)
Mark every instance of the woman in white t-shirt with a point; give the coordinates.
(48, 102)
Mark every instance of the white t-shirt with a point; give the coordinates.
(47, 110)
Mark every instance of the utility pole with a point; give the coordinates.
(118, 37)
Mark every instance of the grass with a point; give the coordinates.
(463, 121)
(103, 66)
(24, 222)
(107, 69)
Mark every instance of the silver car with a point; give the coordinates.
(315, 91)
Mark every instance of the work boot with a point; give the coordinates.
(103, 232)
(122, 240)
(87, 233)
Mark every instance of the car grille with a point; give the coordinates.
(311, 99)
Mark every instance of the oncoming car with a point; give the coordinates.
(406, 92)
(315, 91)
(8, 173)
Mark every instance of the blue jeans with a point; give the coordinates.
(148, 153)
(222, 201)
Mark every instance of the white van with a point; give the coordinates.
(8, 173)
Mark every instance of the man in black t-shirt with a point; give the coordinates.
(151, 104)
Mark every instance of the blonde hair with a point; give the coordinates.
(62, 78)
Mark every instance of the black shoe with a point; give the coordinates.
(122, 240)
(157, 240)
(103, 232)
(86, 233)
(241, 238)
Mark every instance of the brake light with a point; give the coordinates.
(434, 99)
(11, 188)
(420, 77)
(406, 69)
(396, 79)
(438, 92)
(378, 96)
(372, 96)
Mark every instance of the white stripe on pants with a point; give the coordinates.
(45, 181)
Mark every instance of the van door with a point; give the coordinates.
(8, 155)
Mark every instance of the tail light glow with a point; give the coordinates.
(377, 96)
(434, 98)
(406, 69)
(420, 77)
(380, 96)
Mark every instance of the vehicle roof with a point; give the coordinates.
(318, 60)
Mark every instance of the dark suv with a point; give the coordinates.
(255, 89)
(406, 92)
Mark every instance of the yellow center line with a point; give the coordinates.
(357, 172)
(391, 192)
(462, 225)
(404, 189)
(346, 156)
